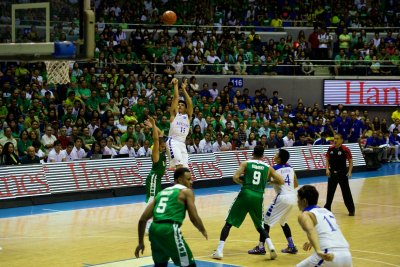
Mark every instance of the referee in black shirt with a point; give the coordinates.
(338, 173)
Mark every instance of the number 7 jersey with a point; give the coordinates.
(287, 174)
(256, 175)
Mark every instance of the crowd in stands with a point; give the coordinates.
(103, 116)
(229, 50)
(101, 112)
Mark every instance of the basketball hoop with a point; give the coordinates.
(58, 71)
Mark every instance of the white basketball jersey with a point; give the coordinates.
(287, 173)
(179, 128)
(329, 233)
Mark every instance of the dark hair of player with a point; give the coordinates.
(183, 102)
(180, 172)
(283, 156)
(310, 193)
(258, 151)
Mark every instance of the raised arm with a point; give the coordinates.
(175, 99)
(155, 155)
(239, 172)
(188, 99)
(192, 211)
(147, 214)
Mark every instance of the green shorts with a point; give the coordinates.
(167, 242)
(153, 185)
(248, 201)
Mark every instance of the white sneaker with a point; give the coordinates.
(273, 254)
(217, 255)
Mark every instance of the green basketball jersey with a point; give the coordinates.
(159, 167)
(256, 175)
(168, 207)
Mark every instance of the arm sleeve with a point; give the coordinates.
(347, 152)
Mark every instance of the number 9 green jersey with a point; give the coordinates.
(256, 175)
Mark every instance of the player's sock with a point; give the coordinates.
(221, 245)
(225, 232)
(288, 235)
(269, 244)
(290, 242)
(264, 236)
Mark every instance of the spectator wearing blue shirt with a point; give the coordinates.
(279, 139)
(357, 128)
(373, 143)
(342, 125)
(315, 127)
(205, 92)
(302, 141)
(394, 141)
(275, 98)
(322, 141)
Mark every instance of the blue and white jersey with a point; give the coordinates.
(329, 234)
(287, 173)
(179, 128)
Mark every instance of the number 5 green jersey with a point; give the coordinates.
(256, 175)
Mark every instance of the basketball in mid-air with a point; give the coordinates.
(169, 17)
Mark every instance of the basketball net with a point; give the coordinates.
(58, 71)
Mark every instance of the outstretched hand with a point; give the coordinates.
(174, 81)
(149, 122)
(140, 247)
(325, 256)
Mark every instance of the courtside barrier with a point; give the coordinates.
(91, 175)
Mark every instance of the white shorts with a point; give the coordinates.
(177, 153)
(342, 258)
(279, 209)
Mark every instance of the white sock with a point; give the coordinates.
(220, 247)
(269, 244)
(261, 244)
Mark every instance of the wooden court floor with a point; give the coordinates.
(106, 234)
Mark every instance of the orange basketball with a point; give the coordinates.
(169, 17)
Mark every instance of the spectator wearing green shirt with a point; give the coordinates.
(22, 102)
(164, 125)
(23, 143)
(103, 100)
(3, 110)
(87, 139)
(138, 109)
(394, 59)
(339, 62)
(139, 134)
(92, 103)
(129, 117)
(114, 108)
(84, 90)
(129, 133)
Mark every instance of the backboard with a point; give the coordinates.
(30, 29)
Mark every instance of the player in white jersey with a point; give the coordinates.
(283, 203)
(324, 235)
(181, 115)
